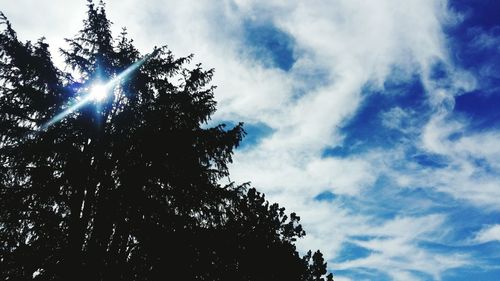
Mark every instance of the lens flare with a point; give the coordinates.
(97, 93)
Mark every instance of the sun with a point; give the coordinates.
(98, 92)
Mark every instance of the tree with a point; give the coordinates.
(127, 188)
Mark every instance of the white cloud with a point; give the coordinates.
(343, 279)
(463, 178)
(488, 234)
(484, 39)
(395, 246)
(399, 119)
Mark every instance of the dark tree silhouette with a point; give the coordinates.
(128, 188)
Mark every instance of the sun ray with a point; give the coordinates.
(98, 93)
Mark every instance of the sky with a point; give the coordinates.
(375, 121)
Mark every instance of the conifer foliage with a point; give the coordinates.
(128, 188)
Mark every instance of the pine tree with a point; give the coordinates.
(127, 188)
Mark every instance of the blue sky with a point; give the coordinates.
(376, 121)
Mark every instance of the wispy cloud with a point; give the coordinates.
(488, 234)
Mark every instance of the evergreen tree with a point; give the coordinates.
(127, 188)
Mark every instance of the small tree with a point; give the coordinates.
(127, 188)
